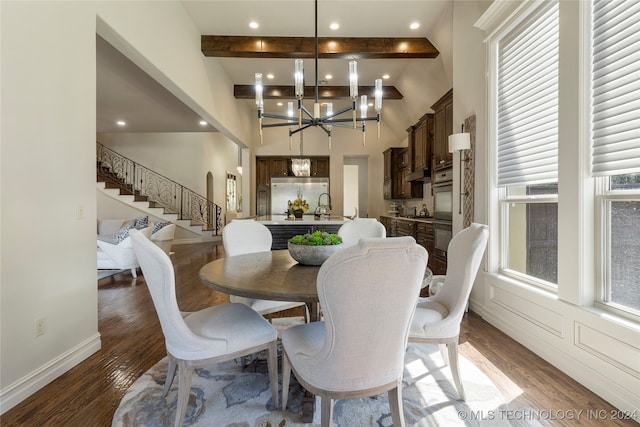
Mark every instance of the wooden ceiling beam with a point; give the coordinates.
(328, 47)
(324, 92)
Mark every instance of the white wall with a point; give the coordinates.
(48, 107)
(48, 171)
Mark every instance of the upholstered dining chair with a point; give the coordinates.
(368, 293)
(245, 236)
(437, 318)
(354, 230)
(202, 338)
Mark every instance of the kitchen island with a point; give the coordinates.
(282, 229)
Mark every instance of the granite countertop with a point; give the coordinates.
(416, 218)
(305, 220)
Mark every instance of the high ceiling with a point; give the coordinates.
(127, 93)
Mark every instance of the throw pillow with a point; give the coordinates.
(141, 222)
(122, 235)
(159, 226)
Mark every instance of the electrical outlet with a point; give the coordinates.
(39, 326)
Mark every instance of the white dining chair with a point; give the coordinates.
(244, 236)
(368, 294)
(202, 338)
(357, 228)
(437, 318)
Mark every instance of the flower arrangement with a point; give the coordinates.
(317, 238)
(299, 205)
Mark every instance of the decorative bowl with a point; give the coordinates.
(312, 255)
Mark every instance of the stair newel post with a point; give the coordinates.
(181, 206)
(135, 178)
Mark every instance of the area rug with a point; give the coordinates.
(230, 395)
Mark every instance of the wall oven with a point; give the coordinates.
(443, 195)
(442, 233)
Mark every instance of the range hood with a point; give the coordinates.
(423, 175)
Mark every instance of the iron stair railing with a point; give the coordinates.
(158, 189)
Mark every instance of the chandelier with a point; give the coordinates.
(307, 118)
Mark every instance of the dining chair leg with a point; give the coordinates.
(272, 364)
(452, 349)
(444, 353)
(171, 373)
(286, 376)
(184, 387)
(395, 403)
(326, 414)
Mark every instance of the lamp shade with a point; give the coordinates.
(459, 141)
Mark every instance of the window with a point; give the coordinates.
(615, 135)
(232, 192)
(527, 145)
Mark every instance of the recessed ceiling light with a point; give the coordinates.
(328, 76)
(203, 123)
(385, 76)
(334, 26)
(269, 76)
(121, 123)
(253, 24)
(279, 104)
(414, 25)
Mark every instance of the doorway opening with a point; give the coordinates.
(356, 186)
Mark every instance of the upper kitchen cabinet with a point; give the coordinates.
(397, 167)
(421, 149)
(279, 166)
(443, 127)
(320, 166)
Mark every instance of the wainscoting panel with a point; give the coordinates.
(589, 345)
(537, 314)
(601, 345)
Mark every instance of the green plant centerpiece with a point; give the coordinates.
(314, 248)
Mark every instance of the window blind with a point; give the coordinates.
(615, 87)
(527, 100)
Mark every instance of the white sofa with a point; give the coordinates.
(115, 252)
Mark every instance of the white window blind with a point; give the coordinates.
(527, 103)
(616, 87)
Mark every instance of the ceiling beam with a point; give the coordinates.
(330, 48)
(324, 92)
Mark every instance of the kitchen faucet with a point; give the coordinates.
(328, 198)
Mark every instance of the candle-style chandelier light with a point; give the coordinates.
(306, 118)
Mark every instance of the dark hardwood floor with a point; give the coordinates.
(132, 342)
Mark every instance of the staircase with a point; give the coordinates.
(148, 191)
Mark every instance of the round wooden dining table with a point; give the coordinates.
(272, 275)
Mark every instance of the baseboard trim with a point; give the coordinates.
(15, 393)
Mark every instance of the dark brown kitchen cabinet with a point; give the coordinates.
(405, 228)
(420, 137)
(389, 224)
(320, 167)
(279, 167)
(387, 164)
(263, 181)
(397, 166)
(442, 128)
(263, 175)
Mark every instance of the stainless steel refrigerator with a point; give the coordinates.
(306, 188)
